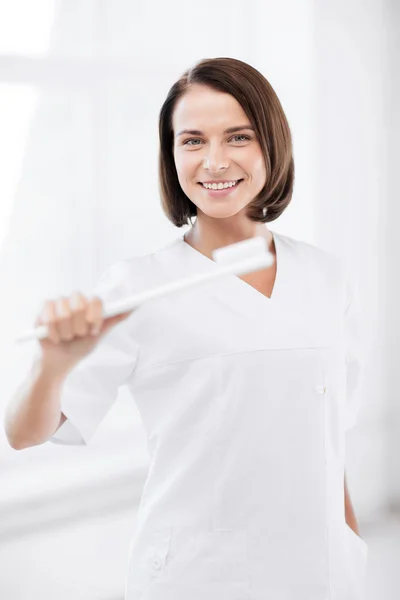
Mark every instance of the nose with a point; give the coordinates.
(215, 161)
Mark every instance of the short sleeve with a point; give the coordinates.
(355, 346)
(91, 387)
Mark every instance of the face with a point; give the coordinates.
(205, 151)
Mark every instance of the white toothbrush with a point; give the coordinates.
(236, 259)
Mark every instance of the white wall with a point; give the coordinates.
(390, 243)
(352, 74)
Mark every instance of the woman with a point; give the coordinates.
(245, 386)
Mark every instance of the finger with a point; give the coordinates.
(95, 315)
(48, 318)
(78, 307)
(113, 321)
(63, 321)
(123, 316)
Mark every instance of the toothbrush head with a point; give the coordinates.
(246, 249)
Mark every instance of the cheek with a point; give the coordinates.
(185, 166)
(258, 167)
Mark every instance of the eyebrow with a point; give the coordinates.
(229, 130)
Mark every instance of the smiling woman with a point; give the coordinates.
(245, 388)
(226, 127)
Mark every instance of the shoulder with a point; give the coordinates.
(321, 266)
(152, 261)
(139, 272)
(311, 253)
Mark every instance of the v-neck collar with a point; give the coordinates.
(288, 305)
(246, 287)
(292, 304)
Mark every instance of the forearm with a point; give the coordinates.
(34, 412)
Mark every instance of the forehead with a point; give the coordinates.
(202, 108)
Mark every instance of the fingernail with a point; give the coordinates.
(74, 298)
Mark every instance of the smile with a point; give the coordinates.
(222, 185)
(219, 190)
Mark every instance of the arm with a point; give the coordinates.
(349, 512)
(34, 412)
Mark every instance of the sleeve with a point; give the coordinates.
(355, 346)
(91, 387)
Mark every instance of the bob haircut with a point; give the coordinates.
(262, 107)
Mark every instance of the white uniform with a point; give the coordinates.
(245, 400)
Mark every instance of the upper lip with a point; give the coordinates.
(219, 180)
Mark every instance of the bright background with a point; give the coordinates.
(81, 84)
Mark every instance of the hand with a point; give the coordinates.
(75, 325)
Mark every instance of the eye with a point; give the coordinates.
(239, 135)
(245, 138)
(191, 140)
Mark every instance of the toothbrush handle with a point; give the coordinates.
(127, 304)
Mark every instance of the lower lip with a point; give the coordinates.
(221, 193)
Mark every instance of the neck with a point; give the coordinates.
(207, 234)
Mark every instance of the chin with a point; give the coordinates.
(220, 212)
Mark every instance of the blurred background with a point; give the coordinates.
(81, 85)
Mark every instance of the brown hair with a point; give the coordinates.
(262, 107)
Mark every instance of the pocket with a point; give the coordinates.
(358, 559)
(360, 544)
(191, 563)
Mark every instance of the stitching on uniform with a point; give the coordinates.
(216, 354)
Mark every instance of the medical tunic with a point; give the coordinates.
(245, 401)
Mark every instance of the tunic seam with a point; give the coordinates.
(219, 354)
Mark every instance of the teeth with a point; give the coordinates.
(219, 186)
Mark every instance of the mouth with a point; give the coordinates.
(221, 187)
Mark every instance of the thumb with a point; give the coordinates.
(112, 321)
